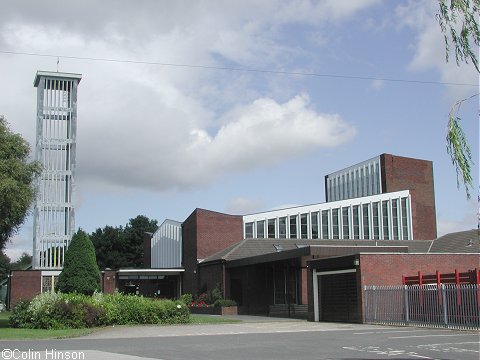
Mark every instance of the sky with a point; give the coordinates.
(237, 106)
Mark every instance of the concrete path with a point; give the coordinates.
(249, 325)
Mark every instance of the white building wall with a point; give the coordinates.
(383, 216)
(166, 246)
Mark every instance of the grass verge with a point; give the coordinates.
(9, 333)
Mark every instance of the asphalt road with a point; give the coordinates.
(254, 340)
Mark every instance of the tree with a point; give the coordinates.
(120, 247)
(80, 272)
(4, 265)
(23, 262)
(17, 175)
(458, 21)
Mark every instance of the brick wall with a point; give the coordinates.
(216, 231)
(189, 253)
(387, 269)
(402, 173)
(205, 233)
(24, 285)
(108, 281)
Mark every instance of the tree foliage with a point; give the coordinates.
(17, 175)
(122, 247)
(80, 272)
(458, 21)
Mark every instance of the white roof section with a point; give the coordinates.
(55, 74)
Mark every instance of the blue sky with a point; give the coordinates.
(163, 140)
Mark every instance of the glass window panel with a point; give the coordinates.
(304, 226)
(356, 224)
(335, 225)
(325, 224)
(314, 222)
(385, 218)
(344, 187)
(366, 227)
(345, 223)
(282, 227)
(293, 227)
(376, 220)
(377, 177)
(271, 228)
(260, 229)
(249, 230)
(404, 219)
(396, 228)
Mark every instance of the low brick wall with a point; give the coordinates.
(214, 310)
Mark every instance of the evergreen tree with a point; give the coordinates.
(80, 272)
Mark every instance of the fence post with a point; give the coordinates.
(444, 305)
(405, 304)
(374, 301)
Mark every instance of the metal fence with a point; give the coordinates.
(447, 305)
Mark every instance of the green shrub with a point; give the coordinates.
(56, 311)
(187, 299)
(225, 302)
(21, 316)
(80, 273)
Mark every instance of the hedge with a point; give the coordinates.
(59, 311)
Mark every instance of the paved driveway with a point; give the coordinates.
(256, 338)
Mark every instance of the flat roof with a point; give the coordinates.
(55, 74)
(150, 271)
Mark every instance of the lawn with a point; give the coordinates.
(7, 333)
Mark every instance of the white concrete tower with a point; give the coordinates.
(54, 217)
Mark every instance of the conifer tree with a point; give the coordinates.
(80, 272)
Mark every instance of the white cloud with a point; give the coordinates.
(163, 128)
(429, 48)
(17, 246)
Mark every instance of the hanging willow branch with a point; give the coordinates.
(458, 21)
(458, 147)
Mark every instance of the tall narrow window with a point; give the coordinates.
(377, 177)
(261, 229)
(348, 186)
(249, 230)
(293, 227)
(271, 228)
(385, 218)
(362, 182)
(282, 227)
(376, 220)
(304, 226)
(356, 224)
(325, 234)
(335, 224)
(405, 219)
(365, 220)
(395, 222)
(314, 222)
(345, 223)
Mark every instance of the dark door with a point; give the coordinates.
(338, 297)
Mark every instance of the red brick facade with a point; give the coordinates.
(402, 173)
(387, 269)
(205, 233)
(24, 285)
